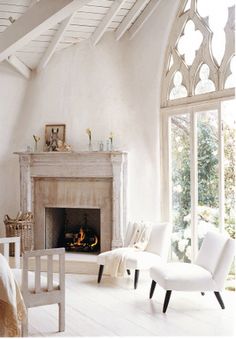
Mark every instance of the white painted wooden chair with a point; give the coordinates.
(38, 290)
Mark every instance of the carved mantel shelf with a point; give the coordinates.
(78, 165)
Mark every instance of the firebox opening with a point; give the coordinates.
(76, 229)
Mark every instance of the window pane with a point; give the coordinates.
(229, 132)
(217, 14)
(179, 90)
(208, 177)
(205, 84)
(189, 42)
(230, 81)
(181, 200)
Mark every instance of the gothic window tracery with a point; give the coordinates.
(201, 50)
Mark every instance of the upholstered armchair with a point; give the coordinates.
(155, 251)
(207, 273)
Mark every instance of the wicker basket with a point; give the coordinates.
(21, 227)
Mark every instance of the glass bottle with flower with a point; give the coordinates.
(36, 140)
(89, 132)
(111, 138)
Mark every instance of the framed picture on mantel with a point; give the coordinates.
(53, 134)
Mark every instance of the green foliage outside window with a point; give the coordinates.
(208, 182)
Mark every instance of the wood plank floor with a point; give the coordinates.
(114, 308)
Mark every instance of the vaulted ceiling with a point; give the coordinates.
(31, 31)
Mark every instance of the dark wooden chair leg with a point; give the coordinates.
(166, 301)
(153, 285)
(202, 293)
(136, 276)
(218, 297)
(101, 267)
(128, 271)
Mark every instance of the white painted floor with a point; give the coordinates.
(114, 308)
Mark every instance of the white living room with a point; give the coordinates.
(117, 168)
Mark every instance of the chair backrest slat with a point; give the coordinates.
(17, 253)
(50, 272)
(37, 274)
(6, 251)
(62, 271)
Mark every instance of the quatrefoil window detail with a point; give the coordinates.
(217, 15)
(189, 42)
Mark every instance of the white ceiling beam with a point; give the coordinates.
(102, 27)
(130, 17)
(145, 15)
(54, 43)
(36, 20)
(19, 66)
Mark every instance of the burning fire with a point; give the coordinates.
(85, 240)
(81, 236)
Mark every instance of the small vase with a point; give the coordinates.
(35, 146)
(90, 146)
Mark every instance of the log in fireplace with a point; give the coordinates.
(76, 229)
(83, 239)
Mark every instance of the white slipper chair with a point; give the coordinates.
(156, 251)
(208, 273)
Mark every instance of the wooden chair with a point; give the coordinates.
(6, 249)
(38, 290)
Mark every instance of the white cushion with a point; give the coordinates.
(31, 280)
(134, 260)
(183, 277)
(142, 260)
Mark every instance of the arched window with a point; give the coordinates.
(199, 124)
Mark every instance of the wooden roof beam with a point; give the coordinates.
(54, 43)
(19, 66)
(145, 15)
(111, 14)
(36, 20)
(130, 18)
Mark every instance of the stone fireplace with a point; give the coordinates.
(53, 183)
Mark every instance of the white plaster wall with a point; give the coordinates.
(12, 93)
(112, 87)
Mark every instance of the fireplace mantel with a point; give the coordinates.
(72, 166)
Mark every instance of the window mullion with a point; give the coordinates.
(221, 170)
(194, 183)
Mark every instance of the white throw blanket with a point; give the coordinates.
(116, 260)
(12, 307)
